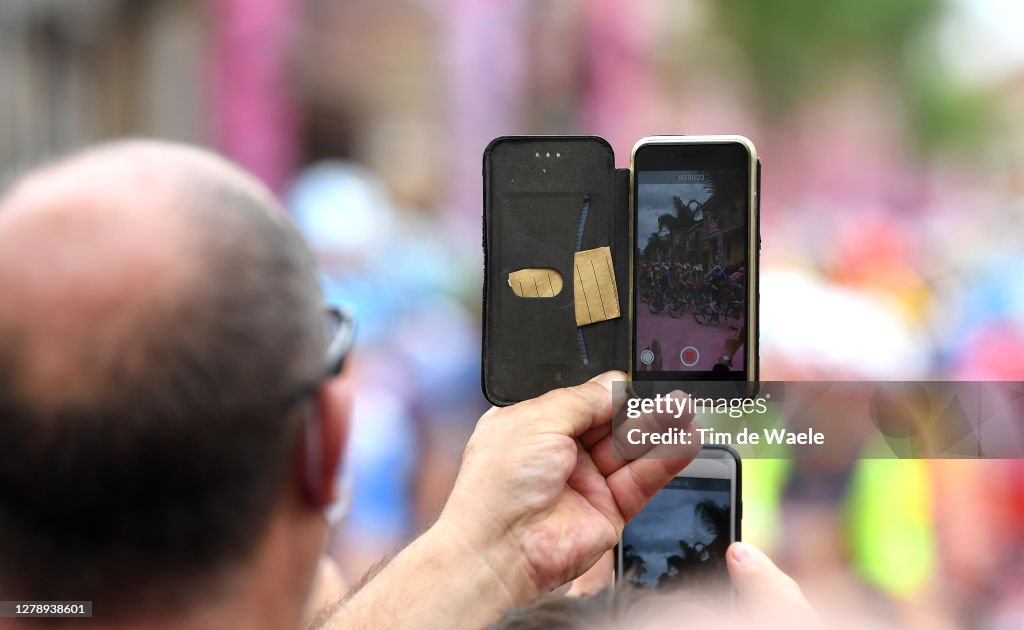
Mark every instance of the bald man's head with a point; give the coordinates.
(157, 313)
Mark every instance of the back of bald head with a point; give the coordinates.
(158, 312)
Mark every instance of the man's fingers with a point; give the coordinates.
(764, 589)
(594, 435)
(603, 454)
(676, 413)
(614, 451)
(634, 484)
(573, 411)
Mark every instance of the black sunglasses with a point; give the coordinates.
(341, 331)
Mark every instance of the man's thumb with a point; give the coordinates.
(764, 589)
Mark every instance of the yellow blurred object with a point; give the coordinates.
(763, 481)
(891, 530)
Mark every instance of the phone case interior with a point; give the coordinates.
(545, 198)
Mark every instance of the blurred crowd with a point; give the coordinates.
(892, 216)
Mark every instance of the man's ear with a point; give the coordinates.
(324, 437)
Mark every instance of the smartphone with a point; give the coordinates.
(679, 539)
(694, 259)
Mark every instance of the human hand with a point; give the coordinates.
(733, 343)
(541, 493)
(769, 596)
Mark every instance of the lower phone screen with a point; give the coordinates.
(680, 537)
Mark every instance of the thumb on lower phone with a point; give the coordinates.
(765, 591)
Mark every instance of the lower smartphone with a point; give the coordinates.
(680, 537)
(695, 246)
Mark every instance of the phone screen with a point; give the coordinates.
(680, 537)
(690, 263)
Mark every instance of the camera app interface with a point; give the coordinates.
(690, 266)
(680, 537)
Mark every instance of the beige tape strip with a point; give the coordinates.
(535, 283)
(594, 290)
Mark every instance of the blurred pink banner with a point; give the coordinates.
(254, 120)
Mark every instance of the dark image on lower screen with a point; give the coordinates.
(680, 537)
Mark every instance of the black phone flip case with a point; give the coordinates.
(545, 198)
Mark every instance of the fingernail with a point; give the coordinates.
(678, 394)
(740, 553)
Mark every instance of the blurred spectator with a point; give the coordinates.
(416, 386)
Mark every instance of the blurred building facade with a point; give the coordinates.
(79, 72)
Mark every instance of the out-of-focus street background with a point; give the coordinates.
(892, 134)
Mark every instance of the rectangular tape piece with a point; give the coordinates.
(594, 290)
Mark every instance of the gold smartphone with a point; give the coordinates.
(695, 243)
